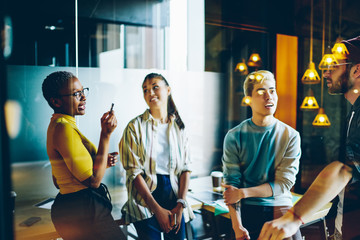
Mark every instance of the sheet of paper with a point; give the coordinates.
(46, 204)
(222, 204)
(206, 197)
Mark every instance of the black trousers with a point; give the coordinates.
(83, 215)
(253, 218)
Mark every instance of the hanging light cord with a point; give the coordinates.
(329, 46)
(323, 52)
(323, 30)
(340, 17)
(311, 30)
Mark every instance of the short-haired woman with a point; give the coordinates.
(80, 211)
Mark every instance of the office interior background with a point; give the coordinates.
(196, 44)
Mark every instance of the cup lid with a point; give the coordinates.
(217, 174)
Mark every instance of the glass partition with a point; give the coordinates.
(111, 46)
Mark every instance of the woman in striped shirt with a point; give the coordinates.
(155, 154)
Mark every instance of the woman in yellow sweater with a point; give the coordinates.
(79, 211)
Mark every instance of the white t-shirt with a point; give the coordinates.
(163, 150)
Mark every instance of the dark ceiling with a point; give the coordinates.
(134, 12)
(288, 16)
(280, 16)
(347, 9)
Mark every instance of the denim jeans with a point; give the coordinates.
(149, 229)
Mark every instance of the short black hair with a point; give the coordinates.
(54, 82)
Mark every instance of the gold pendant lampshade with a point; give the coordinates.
(241, 67)
(321, 119)
(340, 51)
(254, 60)
(311, 76)
(309, 102)
(329, 59)
(327, 62)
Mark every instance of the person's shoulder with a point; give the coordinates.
(235, 131)
(141, 117)
(286, 128)
(62, 122)
(138, 120)
(63, 127)
(243, 125)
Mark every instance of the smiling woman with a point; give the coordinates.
(156, 94)
(78, 167)
(73, 103)
(154, 151)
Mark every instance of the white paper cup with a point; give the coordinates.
(216, 180)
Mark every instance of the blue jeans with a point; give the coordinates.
(149, 229)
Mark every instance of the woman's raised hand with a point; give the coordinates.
(108, 122)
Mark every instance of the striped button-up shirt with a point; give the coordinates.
(138, 149)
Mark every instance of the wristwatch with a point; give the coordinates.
(182, 201)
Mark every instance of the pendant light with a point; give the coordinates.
(328, 60)
(339, 50)
(321, 119)
(254, 60)
(241, 67)
(309, 102)
(311, 76)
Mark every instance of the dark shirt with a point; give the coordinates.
(352, 142)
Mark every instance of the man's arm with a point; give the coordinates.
(287, 159)
(235, 215)
(233, 176)
(233, 195)
(330, 181)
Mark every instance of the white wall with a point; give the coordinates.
(198, 96)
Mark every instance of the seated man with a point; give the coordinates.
(260, 161)
(343, 78)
